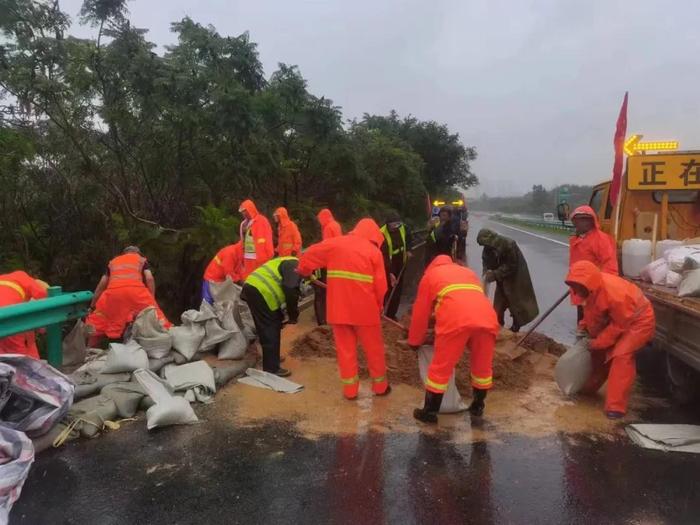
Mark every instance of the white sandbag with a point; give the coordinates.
(692, 262)
(187, 338)
(148, 331)
(168, 409)
(452, 400)
(244, 318)
(125, 358)
(690, 285)
(574, 368)
(228, 291)
(676, 256)
(235, 346)
(214, 332)
(225, 291)
(197, 378)
(75, 344)
(673, 279)
(17, 453)
(655, 272)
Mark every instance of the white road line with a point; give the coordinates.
(534, 234)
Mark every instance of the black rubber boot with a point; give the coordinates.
(477, 406)
(429, 412)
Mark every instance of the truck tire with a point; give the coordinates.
(683, 381)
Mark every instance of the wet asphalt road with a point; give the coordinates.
(215, 473)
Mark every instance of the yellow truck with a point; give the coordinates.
(660, 199)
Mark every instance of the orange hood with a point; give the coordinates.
(586, 274)
(249, 206)
(588, 211)
(283, 216)
(440, 260)
(325, 216)
(368, 229)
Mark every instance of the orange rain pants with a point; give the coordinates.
(448, 350)
(372, 341)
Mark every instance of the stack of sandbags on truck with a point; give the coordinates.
(670, 269)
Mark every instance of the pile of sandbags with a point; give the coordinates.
(678, 268)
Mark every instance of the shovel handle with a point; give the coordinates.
(395, 323)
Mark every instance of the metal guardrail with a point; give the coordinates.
(545, 225)
(50, 313)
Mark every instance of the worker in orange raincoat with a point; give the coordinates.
(620, 320)
(464, 316)
(356, 289)
(590, 243)
(256, 234)
(126, 288)
(329, 228)
(288, 236)
(19, 287)
(228, 262)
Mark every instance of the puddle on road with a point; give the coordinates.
(320, 408)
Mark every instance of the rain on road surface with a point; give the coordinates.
(315, 458)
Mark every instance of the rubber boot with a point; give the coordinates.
(429, 412)
(477, 406)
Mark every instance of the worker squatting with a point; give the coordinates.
(358, 278)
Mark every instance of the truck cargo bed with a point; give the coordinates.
(656, 293)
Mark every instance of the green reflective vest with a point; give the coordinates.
(268, 281)
(390, 244)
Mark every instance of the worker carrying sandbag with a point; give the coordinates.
(256, 234)
(268, 290)
(397, 240)
(228, 262)
(19, 287)
(504, 263)
(620, 321)
(288, 235)
(125, 289)
(590, 243)
(356, 289)
(330, 228)
(463, 317)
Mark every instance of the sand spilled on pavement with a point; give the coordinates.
(538, 409)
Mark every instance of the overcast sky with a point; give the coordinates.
(535, 85)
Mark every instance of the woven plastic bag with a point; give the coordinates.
(168, 409)
(574, 368)
(74, 344)
(451, 400)
(235, 346)
(17, 453)
(125, 358)
(188, 337)
(214, 332)
(690, 285)
(148, 331)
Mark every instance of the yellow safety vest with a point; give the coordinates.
(390, 244)
(268, 281)
(249, 244)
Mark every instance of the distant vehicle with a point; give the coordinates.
(548, 217)
(660, 199)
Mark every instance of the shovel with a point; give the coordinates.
(517, 350)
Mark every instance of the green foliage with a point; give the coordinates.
(104, 143)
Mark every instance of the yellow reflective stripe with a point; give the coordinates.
(437, 386)
(454, 287)
(379, 379)
(352, 276)
(350, 381)
(16, 287)
(484, 381)
(261, 241)
(217, 260)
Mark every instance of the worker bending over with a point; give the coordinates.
(590, 243)
(288, 236)
(356, 289)
(503, 262)
(463, 317)
(228, 262)
(256, 234)
(268, 290)
(126, 288)
(19, 287)
(330, 228)
(397, 239)
(620, 320)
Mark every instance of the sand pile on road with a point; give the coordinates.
(402, 364)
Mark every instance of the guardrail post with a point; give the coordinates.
(54, 353)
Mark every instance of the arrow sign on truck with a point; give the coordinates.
(633, 145)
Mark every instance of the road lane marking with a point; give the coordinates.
(533, 234)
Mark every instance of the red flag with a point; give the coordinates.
(619, 142)
(429, 204)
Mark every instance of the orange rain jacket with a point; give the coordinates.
(595, 246)
(459, 301)
(329, 226)
(227, 262)
(261, 232)
(615, 307)
(19, 287)
(356, 276)
(288, 236)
